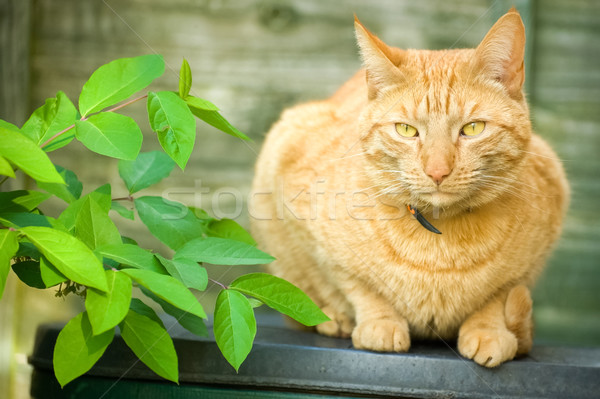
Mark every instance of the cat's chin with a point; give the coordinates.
(440, 199)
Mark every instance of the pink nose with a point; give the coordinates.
(438, 173)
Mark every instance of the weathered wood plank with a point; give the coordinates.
(14, 79)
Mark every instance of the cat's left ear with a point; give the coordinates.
(501, 54)
(380, 60)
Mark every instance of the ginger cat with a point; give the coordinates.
(443, 134)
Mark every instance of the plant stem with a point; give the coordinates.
(56, 135)
(118, 107)
(130, 198)
(5, 178)
(218, 283)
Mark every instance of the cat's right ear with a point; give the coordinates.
(380, 60)
(501, 54)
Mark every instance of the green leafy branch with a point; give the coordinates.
(82, 251)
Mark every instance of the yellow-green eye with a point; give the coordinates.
(406, 130)
(473, 128)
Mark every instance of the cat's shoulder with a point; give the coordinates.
(542, 156)
(548, 171)
(308, 114)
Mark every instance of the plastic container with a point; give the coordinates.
(286, 363)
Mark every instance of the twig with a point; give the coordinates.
(218, 283)
(56, 135)
(118, 107)
(130, 198)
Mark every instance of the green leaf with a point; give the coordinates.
(102, 196)
(28, 272)
(190, 322)
(222, 251)
(9, 126)
(5, 168)
(50, 275)
(185, 79)
(170, 222)
(172, 120)
(234, 326)
(16, 220)
(38, 274)
(281, 296)
(69, 192)
(168, 289)
(28, 250)
(202, 215)
(147, 169)
(128, 240)
(151, 343)
(118, 80)
(94, 227)
(77, 349)
(122, 210)
(255, 303)
(200, 103)
(27, 156)
(110, 134)
(54, 116)
(139, 307)
(190, 273)
(21, 200)
(133, 256)
(107, 309)
(227, 228)
(8, 248)
(215, 119)
(69, 255)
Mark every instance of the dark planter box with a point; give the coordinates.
(296, 364)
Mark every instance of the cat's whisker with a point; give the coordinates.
(389, 190)
(389, 186)
(500, 186)
(545, 156)
(510, 191)
(514, 183)
(517, 218)
(510, 181)
(347, 156)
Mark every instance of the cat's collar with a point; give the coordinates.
(422, 220)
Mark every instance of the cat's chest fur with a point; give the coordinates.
(434, 280)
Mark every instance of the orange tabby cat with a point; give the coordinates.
(445, 135)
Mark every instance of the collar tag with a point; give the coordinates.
(415, 212)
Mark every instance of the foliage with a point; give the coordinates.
(82, 251)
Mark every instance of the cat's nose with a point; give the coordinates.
(438, 173)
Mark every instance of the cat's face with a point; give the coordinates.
(443, 128)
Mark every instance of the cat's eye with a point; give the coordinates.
(406, 130)
(472, 128)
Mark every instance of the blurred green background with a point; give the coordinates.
(254, 58)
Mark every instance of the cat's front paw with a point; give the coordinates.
(340, 324)
(382, 335)
(486, 346)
